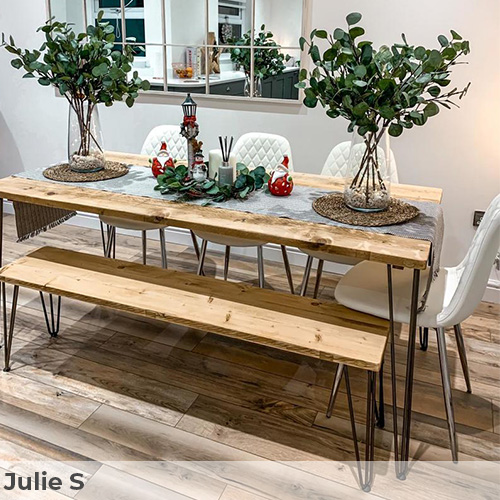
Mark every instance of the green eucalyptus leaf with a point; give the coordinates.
(434, 91)
(431, 109)
(353, 18)
(360, 71)
(356, 32)
(395, 129)
(16, 63)
(443, 41)
(321, 34)
(338, 34)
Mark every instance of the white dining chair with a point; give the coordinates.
(336, 165)
(177, 147)
(453, 297)
(254, 149)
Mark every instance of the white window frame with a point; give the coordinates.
(154, 95)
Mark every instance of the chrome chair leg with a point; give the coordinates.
(55, 315)
(110, 247)
(319, 274)
(8, 328)
(448, 398)
(144, 247)
(307, 275)
(227, 257)
(288, 270)
(163, 248)
(463, 355)
(335, 389)
(260, 263)
(203, 254)
(424, 338)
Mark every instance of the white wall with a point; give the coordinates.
(458, 150)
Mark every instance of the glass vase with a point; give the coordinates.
(85, 143)
(257, 86)
(369, 172)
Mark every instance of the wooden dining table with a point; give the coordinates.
(364, 245)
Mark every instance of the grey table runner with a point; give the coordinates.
(429, 224)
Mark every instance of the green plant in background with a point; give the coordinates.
(83, 67)
(268, 62)
(396, 87)
(176, 181)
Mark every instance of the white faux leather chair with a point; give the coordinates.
(178, 149)
(254, 149)
(453, 297)
(336, 166)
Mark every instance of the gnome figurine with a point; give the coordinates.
(162, 161)
(281, 183)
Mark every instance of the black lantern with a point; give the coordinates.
(189, 106)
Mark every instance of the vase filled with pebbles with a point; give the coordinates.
(368, 179)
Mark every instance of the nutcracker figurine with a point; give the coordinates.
(162, 161)
(189, 128)
(281, 183)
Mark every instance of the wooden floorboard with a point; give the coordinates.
(172, 412)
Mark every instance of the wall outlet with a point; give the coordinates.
(478, 217)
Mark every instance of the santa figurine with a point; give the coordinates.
(162, 161)
(281, 183)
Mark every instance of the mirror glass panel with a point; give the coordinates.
(206, 46)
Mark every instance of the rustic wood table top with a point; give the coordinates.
(388, 249)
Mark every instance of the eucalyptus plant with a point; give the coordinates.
(84, 67)
(391, 88)
(267, 62)
(396, 87)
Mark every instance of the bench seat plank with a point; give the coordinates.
(310, 327)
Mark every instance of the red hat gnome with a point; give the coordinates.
(162, 161)
(281, 183)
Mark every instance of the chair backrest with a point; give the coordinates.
(475, 269)
(259, 149)
(171, 134)
(337, 162)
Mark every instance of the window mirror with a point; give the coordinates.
(246, 49)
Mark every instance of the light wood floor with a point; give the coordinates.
(148, 410)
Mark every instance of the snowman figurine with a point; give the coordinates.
(281, 183)
(162, 161)
(199, 171)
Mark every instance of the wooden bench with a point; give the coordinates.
(305, 326)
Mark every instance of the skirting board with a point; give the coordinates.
(272, 252)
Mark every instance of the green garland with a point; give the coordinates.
(176, 181)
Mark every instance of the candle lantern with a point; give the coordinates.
(190, 129)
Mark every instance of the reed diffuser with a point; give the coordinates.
(226, 170)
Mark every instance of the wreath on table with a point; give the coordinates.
(176, 181)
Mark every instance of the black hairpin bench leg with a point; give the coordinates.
(8, 326)
(55, 314)
(366, 478)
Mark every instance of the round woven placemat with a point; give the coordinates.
(63, 173)
(333, 207)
